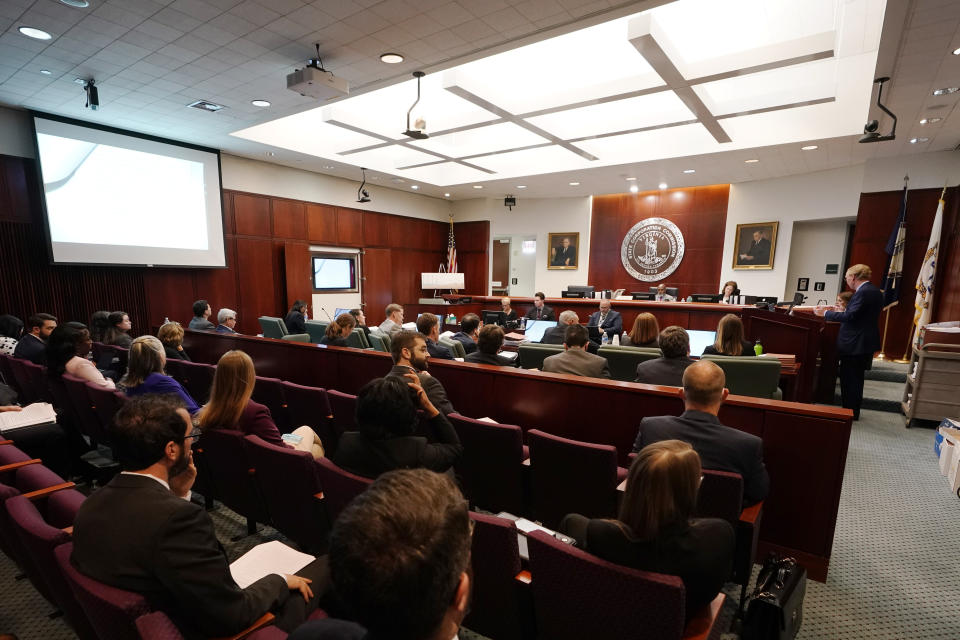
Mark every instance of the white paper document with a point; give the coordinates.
(36, 413)
(264, 559)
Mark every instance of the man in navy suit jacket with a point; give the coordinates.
(859, 337)
(607, 320)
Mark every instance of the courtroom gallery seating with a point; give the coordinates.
(339, 486)
(316, 329)
(310, 406)
(232, 475)
(272, 327)
(456, 347)
(750, 376)
(270, 393)
(623, 361)
(499, 602)
(357, 339)
(377, 342)
(532, 355)
(491, 468)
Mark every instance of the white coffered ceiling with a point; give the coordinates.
(521, 92)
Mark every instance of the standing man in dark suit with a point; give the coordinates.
(469, 330)
(33, 345)
(142, 533)
(540, 311)
(721, 448)
(606, 320)
(429, 327)
(859, 336)
(410, 355)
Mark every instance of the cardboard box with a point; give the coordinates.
(953, 476)
(947, 451)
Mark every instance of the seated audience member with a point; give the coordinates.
(428, 325)
(201, 311)
(729, 340)
(32, 345)
(662, 295)
(668, 369)
(843, 299)
(489, 343)
(540, 311)
(409, 352)
(99, 323)
(361, 320)
(645, 332)
(145, 364)
(338, 330)
(469, 329)
(11, 328)
(171, 335)
(142, 533)
(656, 530)
(394, 321)
(231, 406)
(226, 321)
(296, 317)
(66, 353)
(575, 359)
(400, 561)
(510, 319)
(721, 448)
(118, 332)
(606, 319)
(556, 335)
(387, 421)
(729, 290)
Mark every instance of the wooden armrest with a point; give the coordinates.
(701, 624)
(2, 442)
(751, 513)
(526, 462)
(13, 466)
(68, 529)
(318, 496)
(261, 622)
(622, 486)
(524, 577)
(43, 493)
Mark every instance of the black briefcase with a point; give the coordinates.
(775, 611)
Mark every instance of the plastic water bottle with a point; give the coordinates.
(757, 347)
(605, 339)
(166, 320)
(616, 339)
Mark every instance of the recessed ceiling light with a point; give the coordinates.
(574, 184)
(751, 161)
(924, 121)
(46, 72)
(414, 186)
(204, 105)
(630, 179)
(689, 170)
(79, 4)
(478, 186)
(938, 92)
(634, 188)
(446, 195)
(269, 154)
(391, 58)
(956, 51)
(329, 166)
(260, 103)
(809, 147)
(37, 34)
(521, 186)
(916, 140)
(662, 185)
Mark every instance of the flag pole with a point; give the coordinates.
(906, 352)
(886, 318)
(883, 343)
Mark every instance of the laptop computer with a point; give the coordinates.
(700, 340)
(536, 328)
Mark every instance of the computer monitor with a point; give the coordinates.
(700, 340)
(642, 295)
(536, 328)
(587, 290)
(573, 294)
(706, 297)
(494, 317)
(338, 312)
(767, 299)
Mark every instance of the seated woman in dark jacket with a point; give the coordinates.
(645, 332)
(655, 531)
(338, 330)
(730, 340)
(295, 319)
(145, 374)
(118, 333)
(387, 416)
(171, 335)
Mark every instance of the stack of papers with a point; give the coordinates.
(36, 413)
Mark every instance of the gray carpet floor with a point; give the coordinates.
(892, 574)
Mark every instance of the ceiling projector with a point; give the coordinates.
(317, 83)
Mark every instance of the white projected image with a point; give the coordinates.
(331, 273)
(105, 195)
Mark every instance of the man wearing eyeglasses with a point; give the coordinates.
(142, 533)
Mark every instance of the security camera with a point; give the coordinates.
(870, 129)
(871, 126)
(365, 197)
(93, 96)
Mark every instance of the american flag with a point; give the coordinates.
(451, 251)
(894, 249)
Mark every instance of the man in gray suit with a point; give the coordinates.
(668, 370)
(575, 358)
(410, 355)
(394, 321)
(721, 448)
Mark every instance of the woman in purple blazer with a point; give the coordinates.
(231, 407)
(145, 364)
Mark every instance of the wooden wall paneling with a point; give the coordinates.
(288, 219)
(229, 218)
(321, 221)
(376, 266)
(376, 229)
(475, 268)
(256, 283)
(170, 294)
(406, 267)
(298, 272)
(19, 190)
(219, 286)
(349, 227)
(947, 299)
(470, 236)
(280, 279)
(252, 214)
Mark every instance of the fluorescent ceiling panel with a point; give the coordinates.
(791, 85)
(306, 133)
(650, 145)
(445, 173)
(496, 137)
(387, 159)
(534, 162)
(622, 115)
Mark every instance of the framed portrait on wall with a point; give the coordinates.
(755, 245)
(803, 284)
(564, 250)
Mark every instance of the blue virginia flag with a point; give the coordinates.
(894, 249)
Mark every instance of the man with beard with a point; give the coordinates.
(142, 533)
(410, 355)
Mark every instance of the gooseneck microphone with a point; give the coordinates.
(326, 314)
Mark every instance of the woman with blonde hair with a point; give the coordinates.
(145, 363)
(231, 407)
(338, 330)
(171, 335)
(729, 341)
(656, 530)
(645, 332)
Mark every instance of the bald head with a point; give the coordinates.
(703, 387)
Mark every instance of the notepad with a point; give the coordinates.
(36, 413)
(265, 559)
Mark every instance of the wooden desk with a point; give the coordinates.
(805, 446)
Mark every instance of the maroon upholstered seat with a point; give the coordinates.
(86, 415)
(159, 626)
(269, 392)
(339, 486)
(231, 474)
(36, 380)
(500, 607)
(26, 393)
(344, 409)
(6, 372)
(197, 379)
(310, 406)
(106, 402)
(568, 476)
(491, 467)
